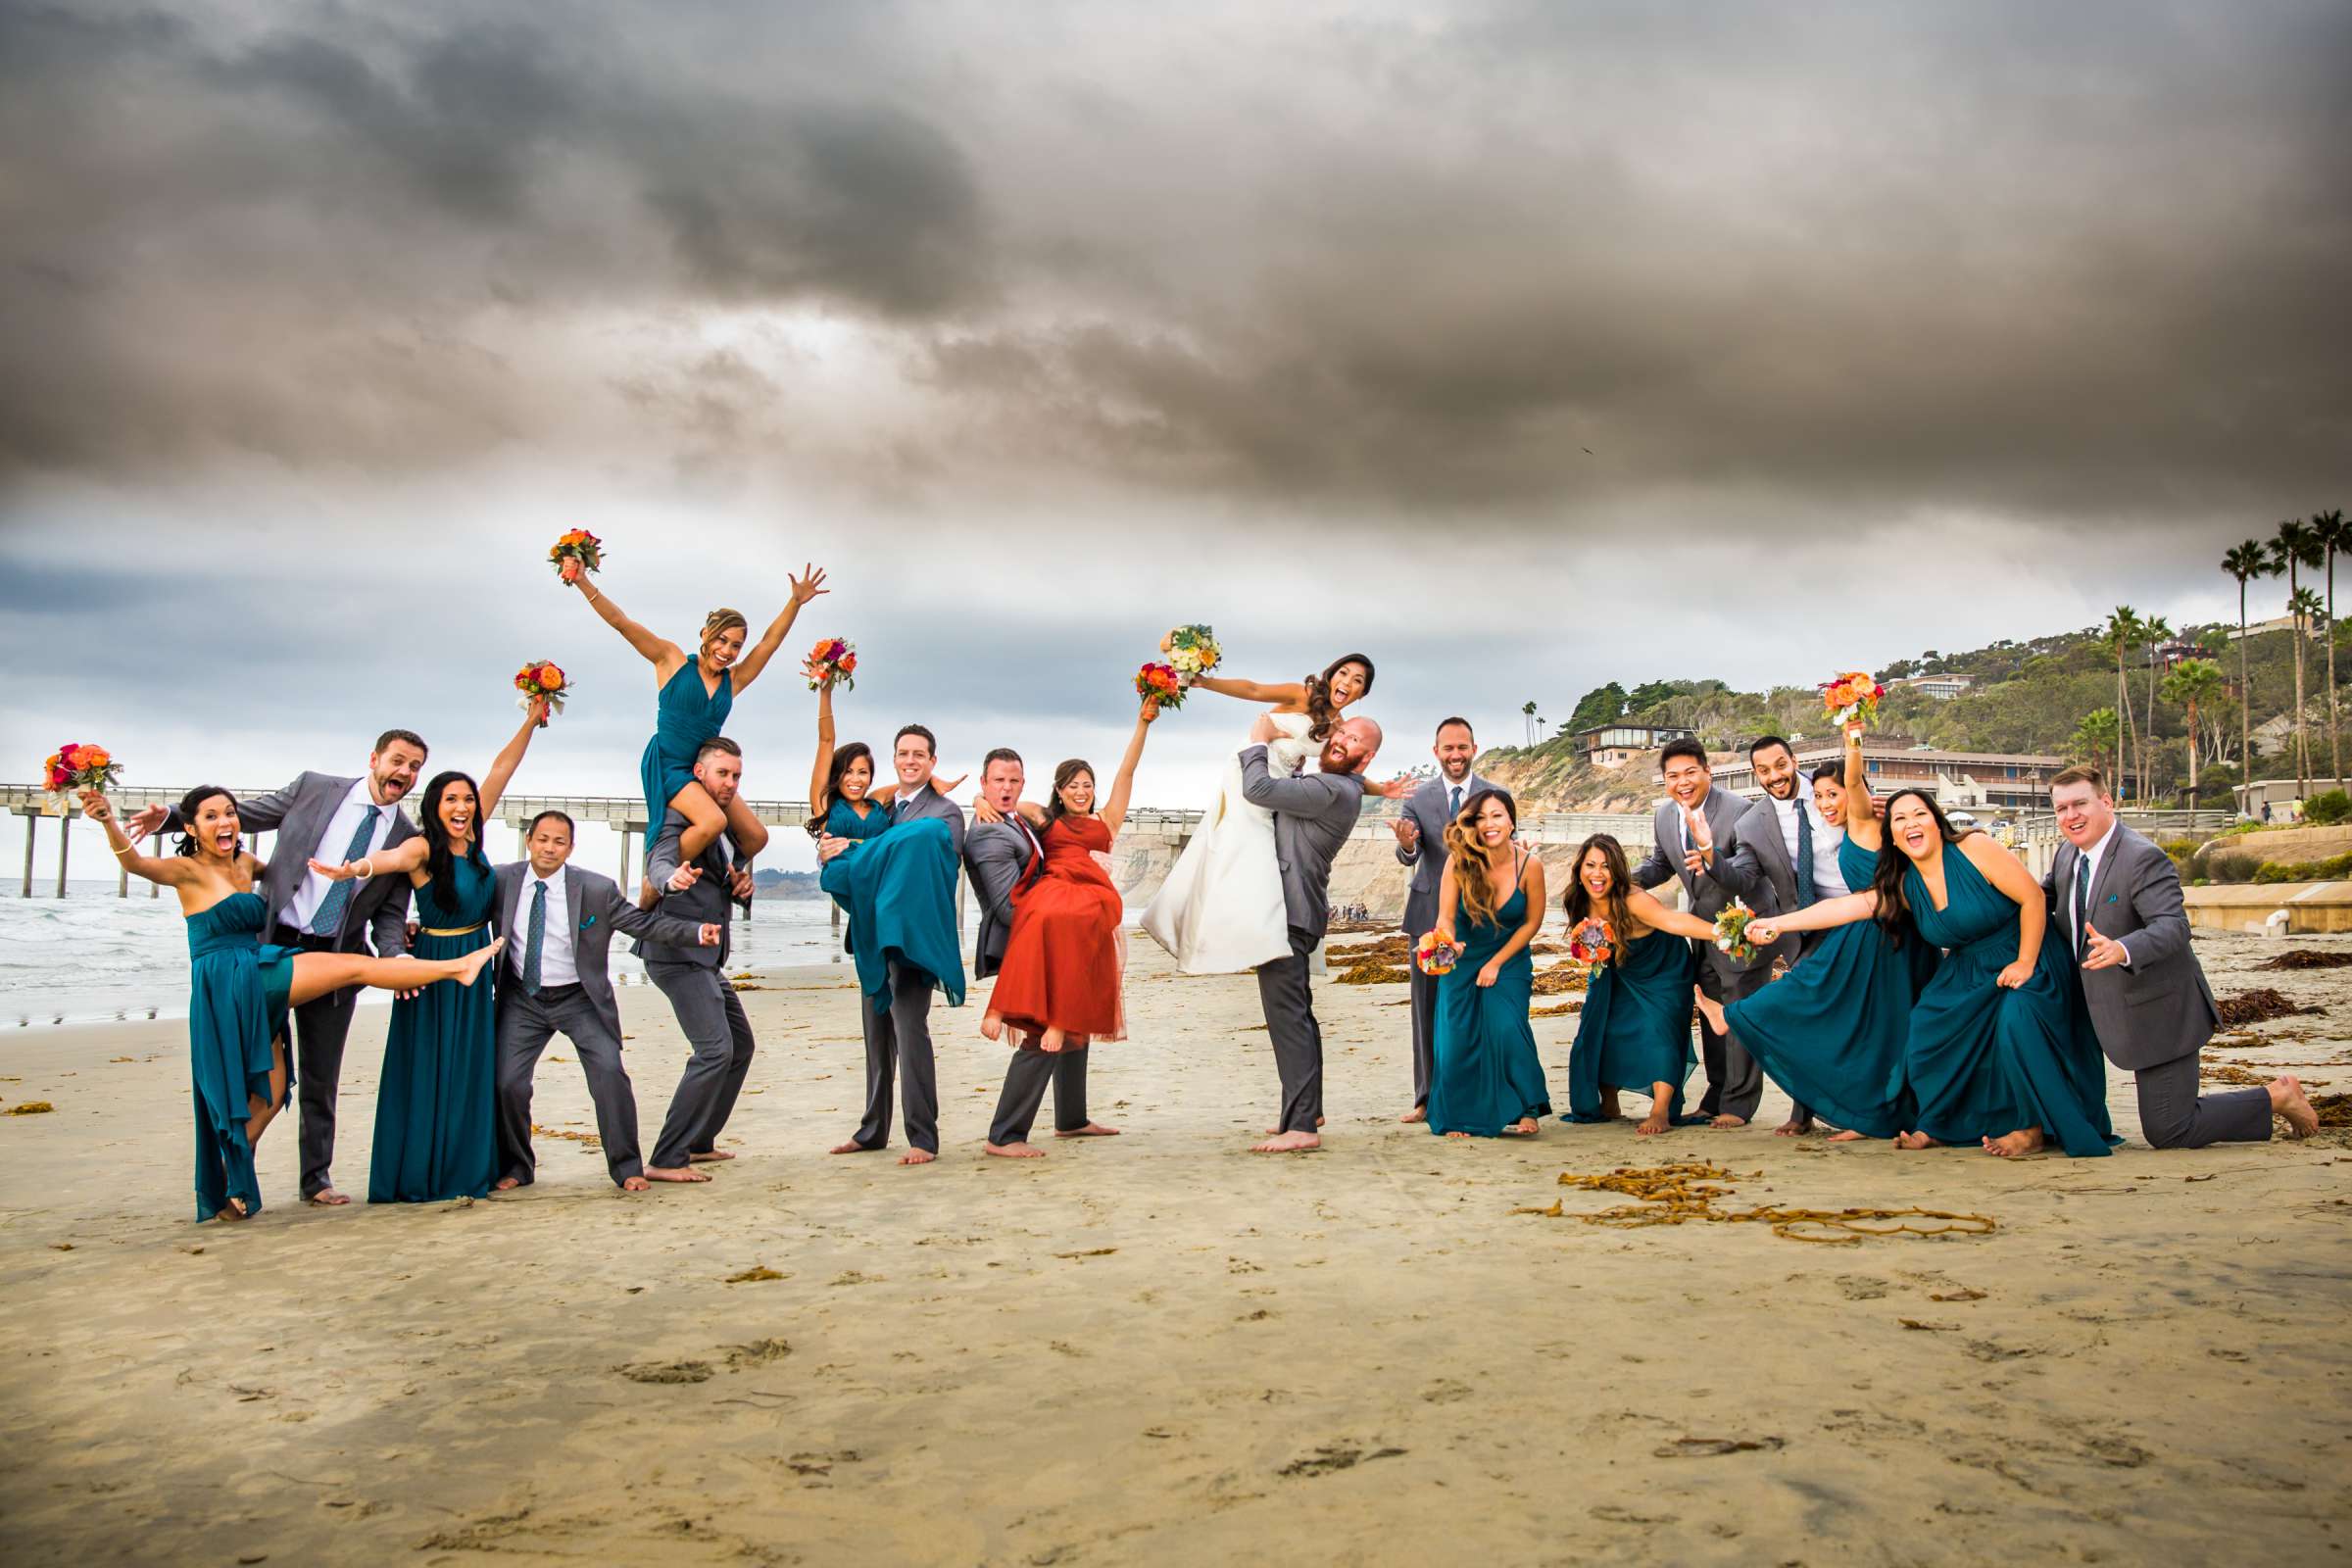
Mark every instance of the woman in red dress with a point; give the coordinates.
(1059, 983)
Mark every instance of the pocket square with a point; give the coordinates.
(2112, 896)
(591, 920)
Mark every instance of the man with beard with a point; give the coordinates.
(1695, 831)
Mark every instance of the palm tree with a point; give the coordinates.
(2245, 561)
(2098, 738)
(1528, 716)
(2333, 534)
(2155, 632)
(2122, 634)
(2193, 682)
(2292, 548)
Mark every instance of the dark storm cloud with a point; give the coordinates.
(2025, 260)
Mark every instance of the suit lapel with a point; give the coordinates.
(573, 892)
(2098, 885)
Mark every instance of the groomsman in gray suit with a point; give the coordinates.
(898, 1041)
(555, 978)
(696, 893)
(1421, 844)
(331, 819)
(1696, 830)
(2118, 898)
(1786, 860)
(1313, 815)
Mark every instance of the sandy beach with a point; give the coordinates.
(1158, 1348)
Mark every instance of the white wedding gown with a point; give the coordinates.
(1220, 911)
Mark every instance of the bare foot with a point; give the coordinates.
(1524, 1127)
(1792, 1128)
(1288, 1143)
(474, 960)
(505, 1183)
(1848, 1135)
(1710, 1010)
(635, 1184)
(2288, 1099)
(1318, 1123)
(992, 1027)
(1609, 1110)
(1461, 1137)
(1915, 1141)
(2024, 1140)
(707, 1156)
(234, 1212)
(1655, 1124)
(1418, 1113)
(1726, 1122)
(666, 1173)
(1013, 1151)
(917, 1156)
(326, 1198)
(853, 1146)
(1093, 1129)
(1051, 1040)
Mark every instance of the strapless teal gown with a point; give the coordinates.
(237, 988)
(1984, 1062)
(683, 718)
(841, 822)
(1831, 1030)
(1486, 1073)
(900, 891)
(1636, 1027)
(436, 1133)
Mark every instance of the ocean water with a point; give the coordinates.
(92, 956)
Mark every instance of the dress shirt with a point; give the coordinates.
(2087, 869)
(330, 846)
(1829, 879)
(558, 965)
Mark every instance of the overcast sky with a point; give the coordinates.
(1520, 346)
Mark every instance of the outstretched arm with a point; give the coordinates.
(1114, 810)
(667, 657)
(171, 872)
(257, 815)
(503, 764)
(1766, 929)
(806, 587)
(1288, 695)
(405, 859)
(1306, 794)
(1645, 909)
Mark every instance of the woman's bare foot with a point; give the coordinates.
(1847, 1136)
(1093, 1129)
(992, 1027)
(853, 1146)
(470, 966)
(664, 1173)
(1461, 1137)
(707, 1156)
(1052, 1039)
(1915, 1141)
(1727, 1122)
(2288, 1099)
(1417, 1115)
(917, 1156)
(506, 1184)
(1524, 1127)
(1288, 1143)
(1710, 1010)
(1655, 1124)
(1013, 1151)
(233, 1211)
(2024, 1140)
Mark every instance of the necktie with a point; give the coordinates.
(1805, 893)
(329, 918)
(537, 940)
(1456, 809)
(2081, 907)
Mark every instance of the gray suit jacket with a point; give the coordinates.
(929, 802)
(1313, 815)
(703, 904)
(1706, 895)
(596, 909)
(1759, 871)
(299, 813)
(1001, 857)
(1429, 806)
(2158, 1008)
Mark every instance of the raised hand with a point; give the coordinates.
(809, 585)
(570, 572)
(1396, 789)
(94, 807)
(684, 877)
(539, 703)
(950, 786)
(985, 811)
(1408, 831)
(2105, 952)
(146, 822)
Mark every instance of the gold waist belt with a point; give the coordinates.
(451, 930)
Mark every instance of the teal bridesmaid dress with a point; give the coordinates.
(237, 988)
(900, 891)
(1984, 1062)
(841, 822)
(1636, 1027)
(437, 1134)
(1831, 1030)
(684, 716)
(1486, 1073)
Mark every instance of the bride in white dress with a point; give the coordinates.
(1220, 910)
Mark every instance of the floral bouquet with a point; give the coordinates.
(1851, 699)
(1192, 651)
(1731, 931)
(1434, 956)
(1591, 944)
(542, 678)
(1160, 683)
(832, 663)
(581, 546)
(72, 767)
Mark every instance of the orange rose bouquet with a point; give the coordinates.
(76, 767)
(1434, 956)
(1851, 699)
(577, 551)
(542, 679)
(832, 663)
(1160, 683)
(1591, 944)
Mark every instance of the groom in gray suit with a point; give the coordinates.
(1313, 815)
(555, 977)
(1696, 830)
(330, 819)
(2116, 897)
(1420, 830)
(1786, 860)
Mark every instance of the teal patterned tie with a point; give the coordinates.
(329, 918)
(538, 938)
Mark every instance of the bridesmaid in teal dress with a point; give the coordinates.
(436, 1135)
(1635, 1032)
(695, 695)
(1486, 1076)
(240, 989)
(1999, 1053)
(1831, 1031)
(842, 802)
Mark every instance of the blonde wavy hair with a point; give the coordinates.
(1470, 881)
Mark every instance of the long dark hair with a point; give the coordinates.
(1894, 910)
(193, 802)
(1319, 706)
(822, 806)
(1470, 881)
(440, 861)
(1061, 777)
(1578, 899)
